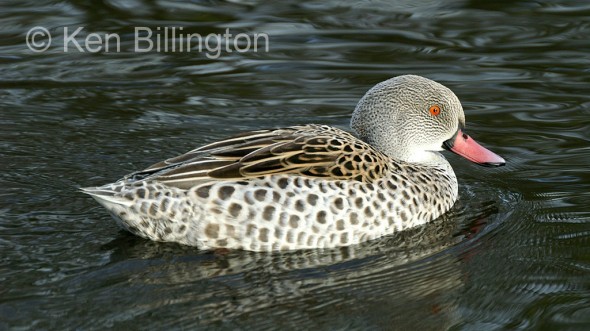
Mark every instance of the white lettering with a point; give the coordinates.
(71, 39)
(89, 43)
(145, 38)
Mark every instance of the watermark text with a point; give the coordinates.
(147, 39)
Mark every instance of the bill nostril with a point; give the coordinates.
(465, 136)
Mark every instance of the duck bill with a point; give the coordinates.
(465, 146)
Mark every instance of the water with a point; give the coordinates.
(513, 253)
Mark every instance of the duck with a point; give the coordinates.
(309, 186)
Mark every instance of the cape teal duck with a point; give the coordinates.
(308, 186)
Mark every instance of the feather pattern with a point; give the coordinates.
(308, 150)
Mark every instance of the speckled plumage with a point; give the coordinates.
(310, 186)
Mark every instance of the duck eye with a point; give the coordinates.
(434, 110)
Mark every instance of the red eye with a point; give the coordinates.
(434, 110)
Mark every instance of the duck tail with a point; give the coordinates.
(107, 195)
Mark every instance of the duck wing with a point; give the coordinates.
(307, 150)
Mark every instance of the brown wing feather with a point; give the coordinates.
(309, 150)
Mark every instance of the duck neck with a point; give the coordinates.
(438, 161)
(428, 158)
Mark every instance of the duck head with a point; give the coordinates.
(412, 118)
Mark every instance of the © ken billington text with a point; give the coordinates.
(146, 39)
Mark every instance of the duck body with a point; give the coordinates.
(302, 187)
(282, 211)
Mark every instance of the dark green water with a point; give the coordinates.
(513, 254)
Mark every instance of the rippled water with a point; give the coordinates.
(513, 253)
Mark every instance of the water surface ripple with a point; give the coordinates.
(513, 253)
